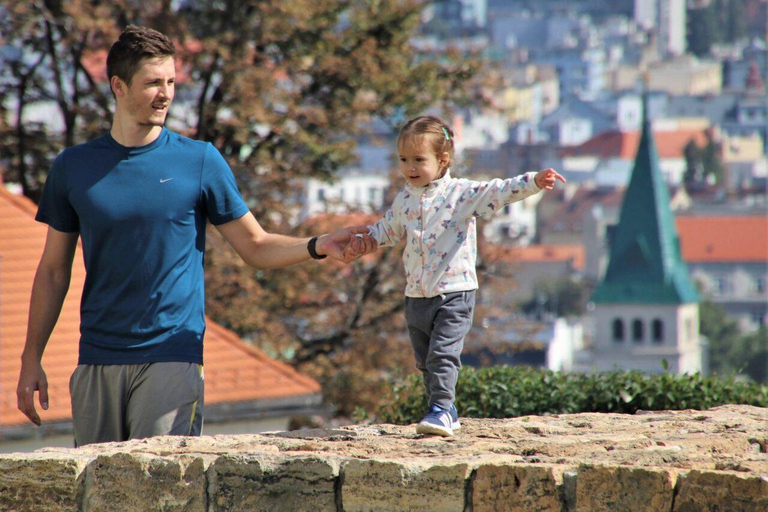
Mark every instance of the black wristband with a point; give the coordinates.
(312, 251)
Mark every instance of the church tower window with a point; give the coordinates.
(618, 330)
(637, 330)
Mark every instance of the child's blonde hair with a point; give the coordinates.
(437, 135)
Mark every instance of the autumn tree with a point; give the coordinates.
(56, 99)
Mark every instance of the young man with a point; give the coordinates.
(140, 197)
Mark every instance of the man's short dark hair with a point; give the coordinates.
(135, 44)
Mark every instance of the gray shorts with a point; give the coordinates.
(132, 401)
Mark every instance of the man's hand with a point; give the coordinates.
(32, 378)
(546, 179)
(347, 244)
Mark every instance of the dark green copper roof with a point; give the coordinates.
(645, 265)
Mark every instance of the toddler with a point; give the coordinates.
(436, 212)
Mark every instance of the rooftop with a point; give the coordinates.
(723, 239)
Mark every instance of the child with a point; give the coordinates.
(437, 214)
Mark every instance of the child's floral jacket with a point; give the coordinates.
(439, 219)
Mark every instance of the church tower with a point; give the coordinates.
(646, 306)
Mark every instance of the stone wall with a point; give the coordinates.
(681, 461)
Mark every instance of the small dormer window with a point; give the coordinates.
(637, 330)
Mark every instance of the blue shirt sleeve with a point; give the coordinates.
(221, 198)
(55, 208)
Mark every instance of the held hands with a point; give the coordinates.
(545, 179)
(347, 244)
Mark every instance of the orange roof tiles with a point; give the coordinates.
(235, 372)
(615, 144)
(723, 239)
(573, 253)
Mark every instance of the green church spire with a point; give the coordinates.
(645, 265)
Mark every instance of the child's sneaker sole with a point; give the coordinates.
(433, 430)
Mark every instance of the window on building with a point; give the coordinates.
(722, 286)
(618, 330)
(637, 330)
(658, 331)
(760, 285)
(372, 193)
(321, 194)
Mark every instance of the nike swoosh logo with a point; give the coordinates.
(163, 180)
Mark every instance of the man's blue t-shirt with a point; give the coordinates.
(141, 213)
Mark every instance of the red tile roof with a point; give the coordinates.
(234, 371)
(723, 239)
(573, 253)
(615, 144)
(558, 213)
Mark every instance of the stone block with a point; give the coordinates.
(34, 482)
(392, 486)
(608, 489)
(709, 491)
(129, 481)
(515, 488)
(272, 484)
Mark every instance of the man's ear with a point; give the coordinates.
(118, 86)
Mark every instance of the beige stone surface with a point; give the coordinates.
(383, 486)
(268, 483)
(669, 461)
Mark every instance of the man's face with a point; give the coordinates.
(148, 97)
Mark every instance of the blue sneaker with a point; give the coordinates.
(437, 422)
(455, 425)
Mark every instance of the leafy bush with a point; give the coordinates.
(509, 391)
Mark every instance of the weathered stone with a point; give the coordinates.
(41, 482)
(608, 489)
(389, 486)
(515, 488)
(123, 481)
(266, 484)
(596, 462)
(709, 491)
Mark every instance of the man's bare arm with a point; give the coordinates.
(48, 292)
(264, 250)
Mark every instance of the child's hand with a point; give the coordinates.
(347, 244)
(546, 179)
(357, 247)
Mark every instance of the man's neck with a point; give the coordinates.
(133, 135)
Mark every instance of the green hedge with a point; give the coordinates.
(509, 391)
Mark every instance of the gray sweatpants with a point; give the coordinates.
(132, 401)
(437, 327)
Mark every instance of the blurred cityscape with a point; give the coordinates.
(565, 87)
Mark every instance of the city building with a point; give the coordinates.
(666, 20)
(728, 260)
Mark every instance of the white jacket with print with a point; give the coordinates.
(439, 219)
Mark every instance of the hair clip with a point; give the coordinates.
(445, 131)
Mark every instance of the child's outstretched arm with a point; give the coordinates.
(545, 179)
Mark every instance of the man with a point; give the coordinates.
(140, 197)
